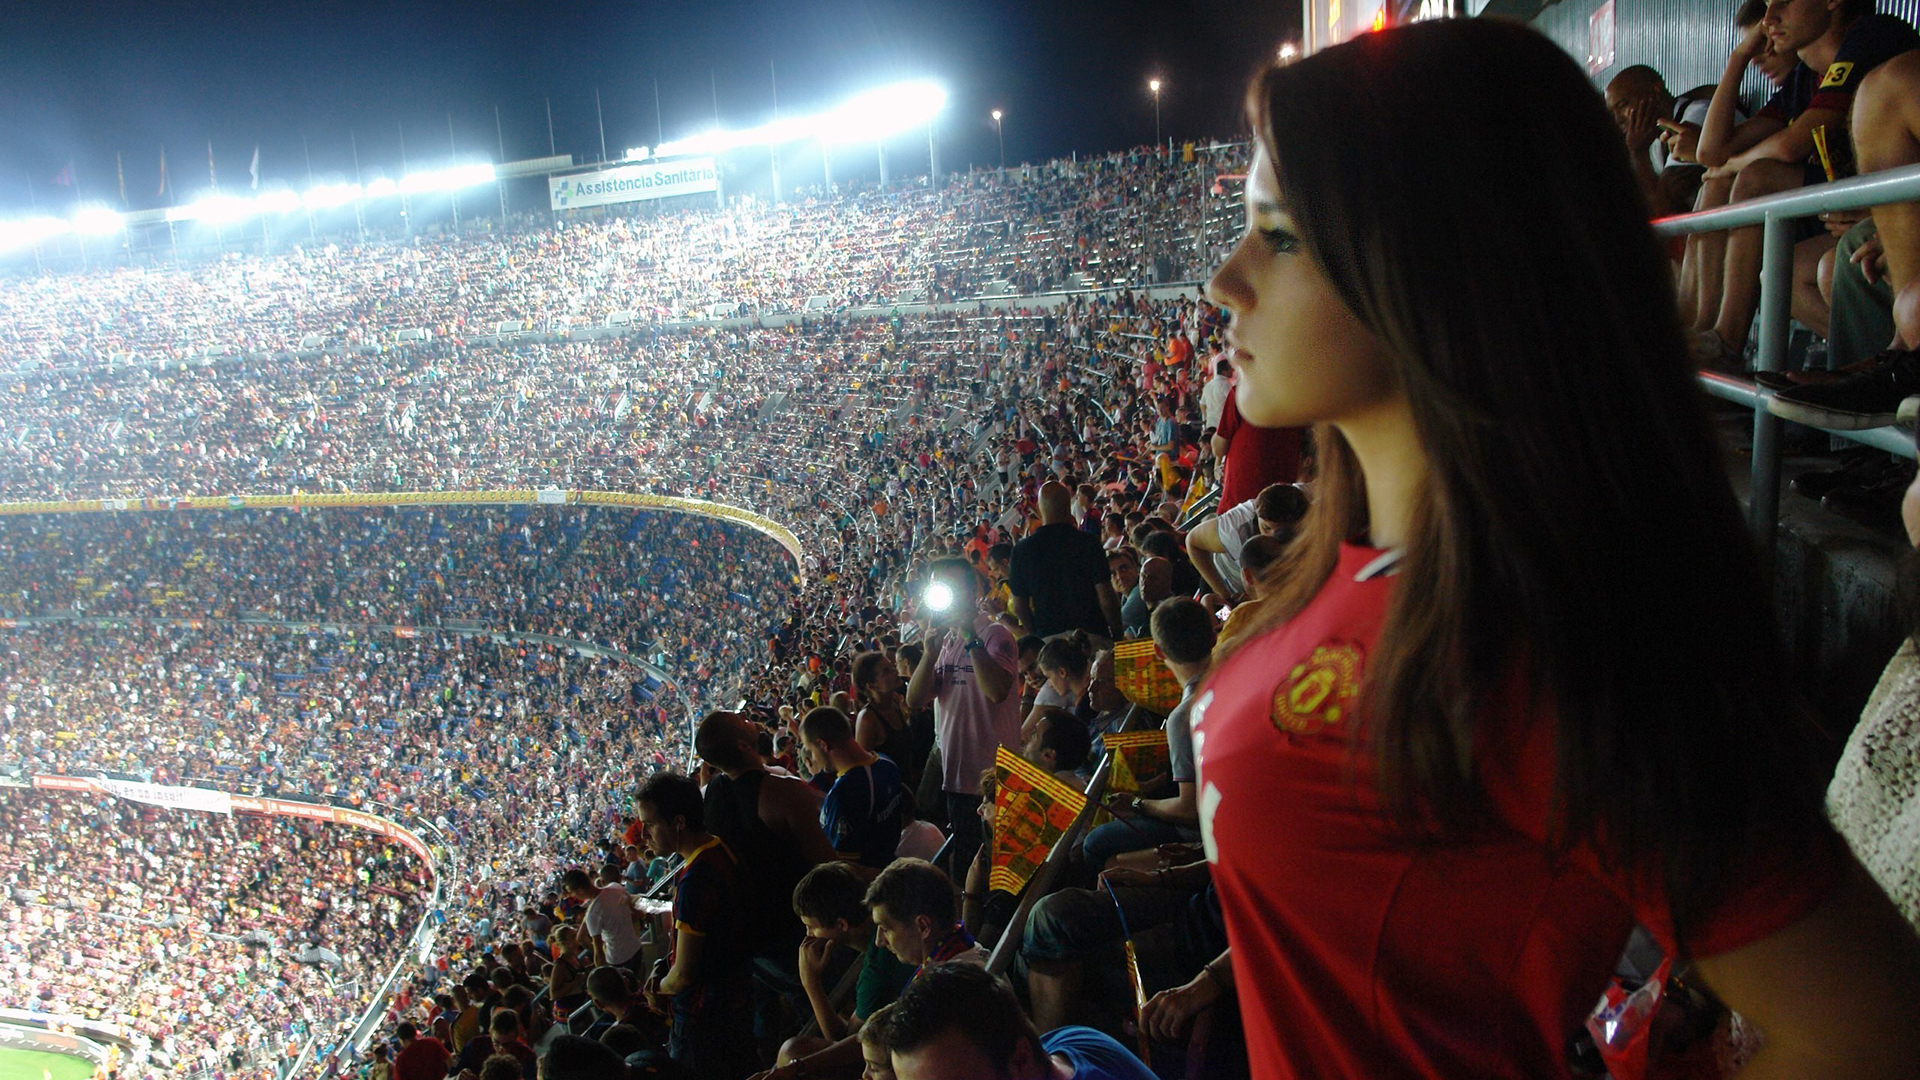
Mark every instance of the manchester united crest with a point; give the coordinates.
(1318, 693)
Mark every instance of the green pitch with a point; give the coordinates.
(35, 1064)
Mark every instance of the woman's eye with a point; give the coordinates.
(1281, 240)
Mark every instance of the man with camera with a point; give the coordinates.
(969, 672)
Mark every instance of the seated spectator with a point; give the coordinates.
(706, 988)
(956, 1020)
(1067, 665)
(506, 1067)
(861, 815)
(1183, 632)
(421, 1057)
(831, 902)
(607, 921)
(1214, 544)
(877, 1060)
(570, 1057)
(509, 1039)
(1868, 302)
(1060, 745)
(1258, 559)
(1639, 100)
(1837, 47)
(914, 918)
(613, 996)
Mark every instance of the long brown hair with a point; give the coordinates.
(1465, 191)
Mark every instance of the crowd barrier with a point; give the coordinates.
(302, 501)
(1775, 214)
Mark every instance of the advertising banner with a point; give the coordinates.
(633, 183)
(173, 798)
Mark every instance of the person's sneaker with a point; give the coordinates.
(1876, 504)
(1863, 466)
(1908, 414)
(1868, 400)
(1706, 349)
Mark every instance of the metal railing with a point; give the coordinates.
(1774, 214)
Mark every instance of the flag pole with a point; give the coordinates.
(500, 134)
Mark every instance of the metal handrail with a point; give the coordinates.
(1773, 214)
(1042, 882)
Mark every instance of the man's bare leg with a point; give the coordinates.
(1810, 304)
(1740, 288)
(1707, 255)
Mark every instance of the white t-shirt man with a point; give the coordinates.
(1213, 399)
(610, 918)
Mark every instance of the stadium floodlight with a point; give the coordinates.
(451, 179)
(639, 153)
(215, 210)
(382, 188)
(883, 113)
(1288, 51)
(31, 231)
(331, 196)
(97, 221)
(278, 202)
(869, 117)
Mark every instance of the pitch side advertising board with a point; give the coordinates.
(633, 183)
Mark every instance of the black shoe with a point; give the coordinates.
(1864, 466)
(1876, 504)
(1868, 400)
(1775, 380)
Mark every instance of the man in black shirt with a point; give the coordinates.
(1059, 577)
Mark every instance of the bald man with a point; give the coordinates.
(1059, 576)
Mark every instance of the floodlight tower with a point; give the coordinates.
(1154, 85)
(1002, 135)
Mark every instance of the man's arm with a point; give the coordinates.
(1202, 543)
(995, 681)
(687, 949)
(1022, 609)
(1720, 137)
(921, 687)
(840, 1059)
(1792, 143)
(813, 959)
(1182, 808)
(786, 808)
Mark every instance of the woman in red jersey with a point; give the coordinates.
(1517, 687)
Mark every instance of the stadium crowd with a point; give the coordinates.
(216, 942)
(1104, 221)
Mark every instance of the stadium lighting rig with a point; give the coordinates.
(868, 117)
(872, 116)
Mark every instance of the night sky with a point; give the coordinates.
(80, 82)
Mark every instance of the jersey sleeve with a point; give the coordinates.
(834, 821)
(697, 903)
(1779, 107)
(1870, 42)
(1770, 891)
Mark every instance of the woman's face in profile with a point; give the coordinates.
(1301, 356)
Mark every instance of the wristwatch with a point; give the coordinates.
(975, 643)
